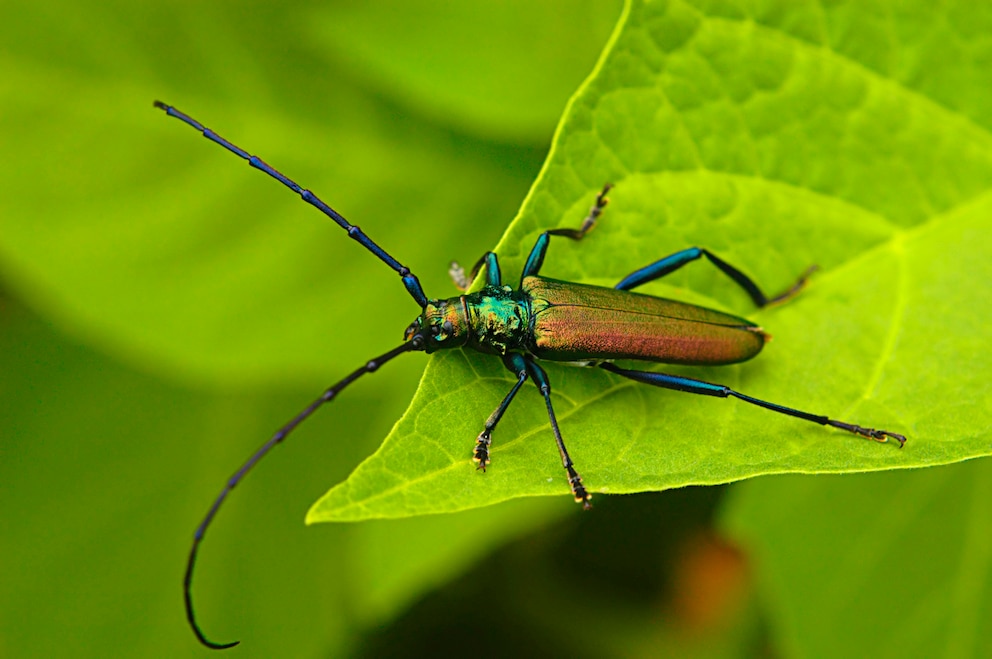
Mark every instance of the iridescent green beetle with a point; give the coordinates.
(550, 320)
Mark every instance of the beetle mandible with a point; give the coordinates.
(549, 320)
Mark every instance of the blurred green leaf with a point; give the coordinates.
(146, 240)
(778, 137)
(495, 68)
(138, 239)
(107, 471)
(880, 565)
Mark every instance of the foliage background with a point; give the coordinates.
(163, 309)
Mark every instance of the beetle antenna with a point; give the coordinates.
(410, 280)
(416, 343)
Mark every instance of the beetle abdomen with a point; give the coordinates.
(572, 322)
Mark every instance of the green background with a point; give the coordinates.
(164, 308)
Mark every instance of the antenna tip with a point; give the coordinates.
(223, 646)
(212, 645)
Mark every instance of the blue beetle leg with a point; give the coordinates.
(518, 366)
(574, 480)
(693, 386)
(536, 258)
(672, 263)
(410, 281)
(463, 282)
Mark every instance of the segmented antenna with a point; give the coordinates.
(410, 280)
(417, 343)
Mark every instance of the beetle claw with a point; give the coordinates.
(884, 436)
(880, 436)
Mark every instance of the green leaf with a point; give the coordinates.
(880, 565)
(107, 471)
(778, 138)
(495, 68)
(142, 241)
(138, 235)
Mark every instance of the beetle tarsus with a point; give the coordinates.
(883, 437)
(595, 210)
(457, 273)
(578, 489)
(795, 289)
(481, 453)
(880, 436)
(590, 220)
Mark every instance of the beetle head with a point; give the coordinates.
(443, 324)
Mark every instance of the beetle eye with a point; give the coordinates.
(448, 327)
(411, 330)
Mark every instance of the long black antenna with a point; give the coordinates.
(410, 280)
(416, 343)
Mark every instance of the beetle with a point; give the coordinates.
(545, 319)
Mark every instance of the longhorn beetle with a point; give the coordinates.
(550, 320)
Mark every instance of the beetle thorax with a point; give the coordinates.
(494, 320)
(498, 319)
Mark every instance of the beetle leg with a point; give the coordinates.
(694, 386)
(587, 224)
(574, 480)
(515, 364)
(458, 278)
(536, 257)
(672, 263)
(493, 276)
